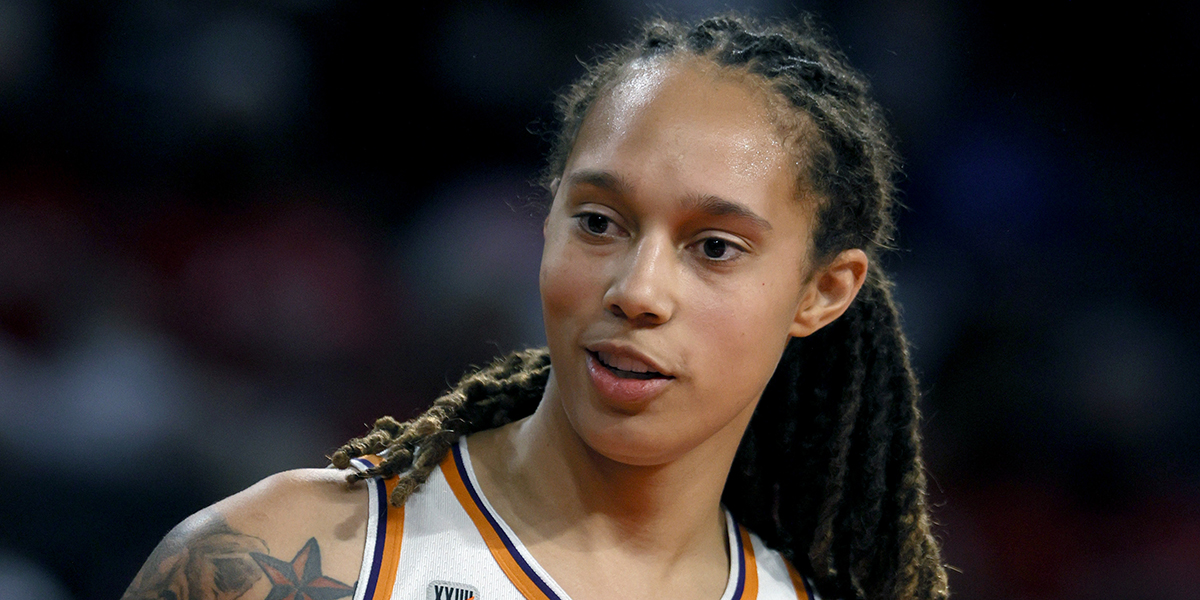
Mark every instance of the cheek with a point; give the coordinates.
(747, 327)
(565, 283)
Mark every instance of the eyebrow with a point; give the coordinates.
(706, 203)
(604, 180)
(720, 207)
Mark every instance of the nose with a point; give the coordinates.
(642, 291)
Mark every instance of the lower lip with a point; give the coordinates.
(622, 391)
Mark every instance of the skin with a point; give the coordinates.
(218, 553)
(677, 240)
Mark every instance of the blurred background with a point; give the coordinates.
(233, 233)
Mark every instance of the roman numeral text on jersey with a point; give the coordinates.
(445, 590)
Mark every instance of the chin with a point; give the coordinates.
(632, 443)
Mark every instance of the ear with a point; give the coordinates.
(830, 291)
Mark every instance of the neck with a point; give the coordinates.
(552, 486)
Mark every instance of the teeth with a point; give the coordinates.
(624, 363)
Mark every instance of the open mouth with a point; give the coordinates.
(626, 368)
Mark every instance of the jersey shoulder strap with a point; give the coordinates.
(385, 531)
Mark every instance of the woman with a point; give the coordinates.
(724, 358)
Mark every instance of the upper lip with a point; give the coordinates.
(628, 351)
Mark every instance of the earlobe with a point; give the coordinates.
(830, 292)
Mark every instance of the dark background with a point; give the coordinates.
(233, 233)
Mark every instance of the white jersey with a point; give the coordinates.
(446, 543)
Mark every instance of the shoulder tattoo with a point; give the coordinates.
(216, 562)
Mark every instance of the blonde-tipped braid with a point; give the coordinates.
(507, 390)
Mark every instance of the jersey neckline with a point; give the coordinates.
(523, 569)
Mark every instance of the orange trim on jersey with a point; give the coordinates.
(797, 582)
(495, 544)
(750, 589)
(393, 536)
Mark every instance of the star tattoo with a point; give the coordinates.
(300, 579)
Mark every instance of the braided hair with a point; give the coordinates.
(829, 470)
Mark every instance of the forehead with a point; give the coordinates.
(645, 79)
(689, 88)
(688, 115)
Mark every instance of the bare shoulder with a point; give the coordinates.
(298, 531)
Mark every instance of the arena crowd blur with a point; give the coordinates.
(232, 233)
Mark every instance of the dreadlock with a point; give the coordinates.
(507, 390)
(829, 471)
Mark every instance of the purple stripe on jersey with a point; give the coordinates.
(380, 529)
(508, 544)
(741, 555)
(808, 589)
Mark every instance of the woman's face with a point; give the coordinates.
(674, 263)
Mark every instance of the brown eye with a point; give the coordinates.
(715, 248)
(597, 224)
(718, 250)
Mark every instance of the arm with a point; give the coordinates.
(300, 531)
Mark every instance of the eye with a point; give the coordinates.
(720, 250)
(597, 225)
(715, 248)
